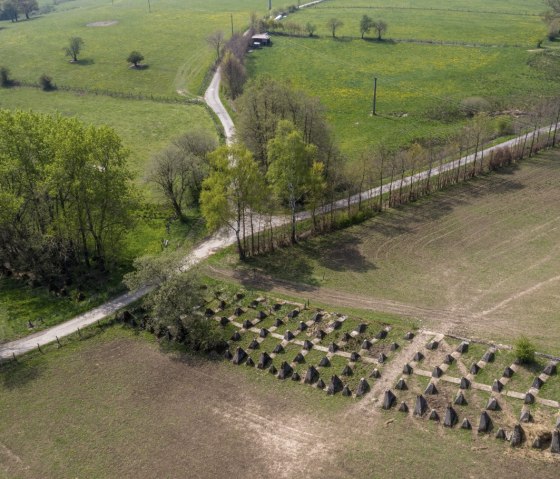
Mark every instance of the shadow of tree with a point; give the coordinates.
(15, 375)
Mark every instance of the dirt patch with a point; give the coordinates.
(106, 23)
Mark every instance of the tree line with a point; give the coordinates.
(66, 197)
(12, 9)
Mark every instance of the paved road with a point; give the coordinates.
(223, 239)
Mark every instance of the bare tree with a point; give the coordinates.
(74, 48)
(310, 29)
(333, 24)
(216, 40)
(380, 27)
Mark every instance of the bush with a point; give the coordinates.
(474, 105)
(524, 350)
(5, 80)
(46, 83)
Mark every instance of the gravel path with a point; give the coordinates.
(222, 239)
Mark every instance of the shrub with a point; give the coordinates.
(524, 350)
(474, 105)
(5, 80)
(46, 83)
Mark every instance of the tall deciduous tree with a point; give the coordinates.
(234, 74)
(216, 40)
(234, 186)
(75, 45)
(333, 24)
(289, 173)
(380, 27)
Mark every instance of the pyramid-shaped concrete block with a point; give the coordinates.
(388, 399)
(485, 424)
(363, 388)
(421, 405)
(311, 376)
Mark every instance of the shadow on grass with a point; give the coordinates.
(84, 62)
(15, 375)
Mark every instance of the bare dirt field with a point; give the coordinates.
(481, 259)
(117, 406)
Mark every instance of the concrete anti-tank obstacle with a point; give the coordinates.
(421, 405)
(239, 356)
(460, 399)
(517, 436)
(448, 359)
(336, 324)
(317, 317)
(394, 347)
(347, 371)
(320, 384)
(263, 333)
(288, 335)
(335, 385)
(555, 442)
(432, 345)
(222, 304)
(466, 424)
(307, 345)
(401, 385)
(375, 374)
(361, 328)
(525, 416)
(450, 418)
(437, 372)
(299, 358)
(366, 344)
(302, 326)
(409, 336)
(264, 360)
(278, 322)
(261, 315)
(464, 383)
(463, 347)
(434, 416)
(238, 311)
(253, 304)
(354, 356)
(363, 388)
(296, 376)
(320, 334)
(403, 407)
(239, 296)
(224, 321)
(501, 434)
(346, 392)
(488, 357)
(388, 399)
(485, 423)
(293, 314)
(333, 348)
(277, 306)
(493, 405)
(209, 312)
(537, 383)
(431, 389)
(508, 372)
(247, 324)
(550, 369)
(311, 376)
(228, 355)
(272, 370)
(278, 349)
(407, 369)
(324, 363)
(475, 368)
(497, 386)
(381, 334)
(529, 398)
(381, 358)
(236, 336)
(418, 356)
(254, 344)
(346, 337)
(285, 370)
(250, 362)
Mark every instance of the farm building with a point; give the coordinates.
(261, 40)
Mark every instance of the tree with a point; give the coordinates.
(310, 28)
(10, 8)
(365, 25)
(380, 27)
(66, 196)
(74, 48)
(5, 80)
(135, 58)
(234, 74)
(179, 170)
(234, 186)
(216, 40)
(27, 7)
(333, 24)
(46, 83)
(291, 162)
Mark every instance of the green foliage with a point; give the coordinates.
(46, 83)
(65, 192)
(365, 25)
(524, 350)
(75, 45)
(5, 80)
(135, 58)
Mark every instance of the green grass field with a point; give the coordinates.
(413, 78)
(479, 259)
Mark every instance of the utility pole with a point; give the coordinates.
(232, 24)
(269, 5)
(149, 7)
(374, 96)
